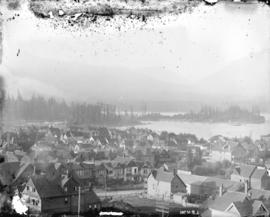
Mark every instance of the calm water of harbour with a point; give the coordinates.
(207, 130)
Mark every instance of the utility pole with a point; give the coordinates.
(105, 183)
(79, 201)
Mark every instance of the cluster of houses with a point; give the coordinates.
(245, 194)
(66, 165)
(58, 194)
(238, 150)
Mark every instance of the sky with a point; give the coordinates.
(213, 53)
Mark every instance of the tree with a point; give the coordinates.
(26, 139)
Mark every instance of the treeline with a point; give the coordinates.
(39, 108)
(232, 113)
(211, 114)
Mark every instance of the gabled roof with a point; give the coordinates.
(100, 167)
(119, 166)
(108, 165)
(259, 194)
(224, 146)
(256, 206)
(58, 165)
(191, 179)
(124, 160)
(146, 165)
(154, 173)
(164, 176)
(87, 165)
(223, 202)
(218, 182)
(258, 173)
(46, 188)
(22, 169)
(245, 170)
(132, 163)
(64, 180)
(212, 182)
(91, 197)
(244, 208)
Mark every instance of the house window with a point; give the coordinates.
(33, 202)
(37, 202)
(34, 190)
(27, 187)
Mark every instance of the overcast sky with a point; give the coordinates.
(211, 53)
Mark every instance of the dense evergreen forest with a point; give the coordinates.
(39, 108)
(210, 114)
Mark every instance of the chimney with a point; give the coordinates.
(221, 190)
(246, 187)
(34, 169)
(174, 171)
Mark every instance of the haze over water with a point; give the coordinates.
(207, 130)
(213, 54)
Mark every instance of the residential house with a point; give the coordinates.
(150, 138)
(160, 145)
(162, 157)
(58, 196)
(50, 138)
(262, 145)
(119, 170)
(163, 184)
(243, 173)
(236, 204)
(145, 169)
(85, 172)
(131, 171)
(239, 153)
(193, 182)
(260, 179)
(203, 185)
(220, 153)
(228, 150)
(267, 165)
(259, 194)
(252, 151)
(109, 170)
(256, 177)
(100, 173)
